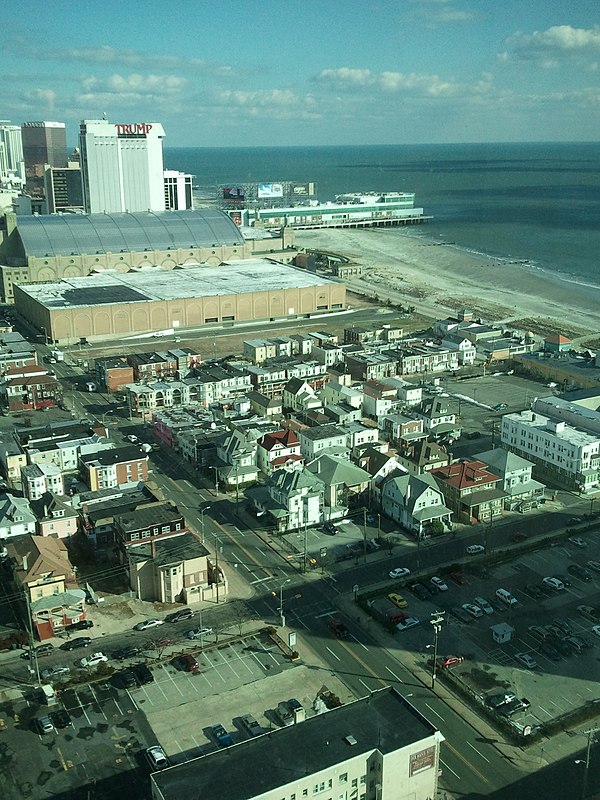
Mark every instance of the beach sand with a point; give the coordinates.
(438, 278)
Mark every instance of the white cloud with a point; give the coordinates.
(346, 78)
(135, 83)
(271, 103)
(37, 96)
(440, 12)
(548, 48)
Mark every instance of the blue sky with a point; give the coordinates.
(310, 73)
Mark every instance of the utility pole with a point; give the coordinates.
(218, 574)
(202, 511)
(437, 619)
(364, 534)
(586, 764)
(32, 653)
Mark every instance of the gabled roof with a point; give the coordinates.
(294, 482)
(334, 471)
(36, 556)
(503, 460)
(48, 503)
(286, 437)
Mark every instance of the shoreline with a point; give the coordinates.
(442, 275)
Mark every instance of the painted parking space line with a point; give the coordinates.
(326, 614)
(227, 663)
(171, 679)
(98, 703)
(82, 707)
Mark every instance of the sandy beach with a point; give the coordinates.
(438, 278)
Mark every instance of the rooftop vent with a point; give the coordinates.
(350, 740)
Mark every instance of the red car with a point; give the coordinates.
(449, 661)
(187, 663)
(460, 578)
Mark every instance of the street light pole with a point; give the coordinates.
(280, 609)
(217, 564)
(202, 510)
(586, 764)
(437, 619)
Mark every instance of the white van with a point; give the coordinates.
(506, 597)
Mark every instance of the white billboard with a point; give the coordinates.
(266, 190)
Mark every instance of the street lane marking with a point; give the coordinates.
(364, 646)
(333, 654)
(326, 614)
(368, 688)
(466, 761)
(449, 768)
(189, 484)
(433, 711)
(243, 549)
(477, 751)
(394, 674)
(260, 580)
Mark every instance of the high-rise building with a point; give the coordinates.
(63, 188)
(11, 151)
(43, 143)
(178, 190)
(122, 166)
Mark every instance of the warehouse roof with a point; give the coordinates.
(156, 284)
(52, 235)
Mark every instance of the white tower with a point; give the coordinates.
(122, 166)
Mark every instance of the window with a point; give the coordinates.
(134, 537)
(343, 777)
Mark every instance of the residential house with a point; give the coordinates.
(359, 436)
(236, 458)
(37, 479)
(31, 393)
(342, 414)
(565, 454)
(300, 397)
(522, 491)
(41, 568)
(423, 456)
(279, 450)
(321, 439)
(379, 398)
(169, 423)
(344, 484)
(467, 351)
(176, 569)
(402, 430)
(557, 343)
(16, 516)
(162, 364)
(16, 351)
(55, 516)
(148, 523)
(416, 503)
(470, 490)
(501, 348)
(104, 469)
(328, 354)
(99, 510)
(259, 350)
(12, 458)
(371, 366)
(113, 374)
(268, 407)
(407, 393)
(375, 334)
(418, 357)
(442, 327)
(379, 465)
(289, 500)
(334, 392)
(437, 418)
(322, 337)
(65, 453)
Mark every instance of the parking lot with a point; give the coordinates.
(562, 680)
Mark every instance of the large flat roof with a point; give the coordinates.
(156, 283)
(385, 721)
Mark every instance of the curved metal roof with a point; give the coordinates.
(75, 234)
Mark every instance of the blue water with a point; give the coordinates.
(529, 202)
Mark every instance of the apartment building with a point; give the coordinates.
(104, 469)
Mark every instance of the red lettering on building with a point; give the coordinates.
(133, 129)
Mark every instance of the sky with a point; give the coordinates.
(317, 72)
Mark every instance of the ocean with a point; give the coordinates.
(535, 202)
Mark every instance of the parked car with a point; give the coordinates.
(143, 674)
(198, 633)
(187, 663)
(596, 630)
(127, 679)
(399, 572)
(329, 528)
(93, 661)
(483, 605)
(41, 650)
(43, 724)
(563, 646)
(445, 662)
(580, 572)
(500, 699)
(506, 597)
(460, 578)
(397, 600)
(156, 757)
(460, 614)
(61, 718)
(337, 627)
(55, 672)
(538, 632)
(500, 407)
(553, 583)
(564, 579)
(534, 591)
(473, 549)
(589, 612)
(526, 660)
(81, 625)
(132, 438)
(75, 644)
(148, 623)
(419, 591)
(518, 537)
(180, 614)
(409, 622)
(284, 714)
(577, 541)
(126, 652)
(439, 583)
(563, 625)
(595, 565)
(508, 709)
(223, 738)
(548, 649)
(473, 610)
(251, 725)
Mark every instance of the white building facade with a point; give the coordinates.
(122, 166)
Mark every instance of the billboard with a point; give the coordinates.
(419, 762)
(300, 189)
(267, 190)
(236, 216)
(234, 193)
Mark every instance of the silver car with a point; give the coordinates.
(198, 633)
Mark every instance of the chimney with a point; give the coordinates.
(25, 564)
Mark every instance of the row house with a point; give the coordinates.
(163, 364)
(16, 351)
(467, 351)
(148, 523)
(375, 334)
(341, 414)
(359, 436)
(55, 516)
(470, 490)
(16, 516)
(37, 479)
(31, 393)
(328, 354)
(566, 454)
(322, 337)
(65, 454)
(423, 358)
(322, 438)
(261, 350)
(267, 407)
(522, 491)
(41, 569)
(98, 510)
(300, 397)
(104, 469)
(416, 503)
(168, 423)
(279, 450)
(219, 382)
(371, 366)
